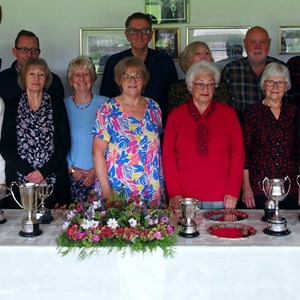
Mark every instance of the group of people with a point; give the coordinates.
(212, 136)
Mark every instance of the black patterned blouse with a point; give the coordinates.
(271, 145)
(35, 130)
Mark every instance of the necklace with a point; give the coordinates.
(131, 106)
(83, 107)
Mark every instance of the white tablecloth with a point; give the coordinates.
(206, 267)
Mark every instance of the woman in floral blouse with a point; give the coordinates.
(35, 135)
(270, 139)
(126, 147)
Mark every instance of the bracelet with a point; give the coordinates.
(72, 171)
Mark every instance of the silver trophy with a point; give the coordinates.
(43, 214)
(3, 194)
(189, 210)
(269, 209)
(28, 195)
(275, 189)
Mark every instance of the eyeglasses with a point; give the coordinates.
(136, 77)
(25, 50)
(272, 83)
(143, 31)
(202, 86)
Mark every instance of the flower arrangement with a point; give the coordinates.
(116, 223)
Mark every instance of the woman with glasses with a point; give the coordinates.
(203, 152)
(270, 139)
(126, 147)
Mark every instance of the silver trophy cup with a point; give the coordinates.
(269, 209)
(275, 189)
(189, 210)
(43, 214)
(28, 195)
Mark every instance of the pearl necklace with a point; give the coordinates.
(84, 107)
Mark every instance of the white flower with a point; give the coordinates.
(132, 222)
(94, 224)
(85, 223)
(96, 204)
(70, 215)
(112, 223)
(90, 213)
(66, 225)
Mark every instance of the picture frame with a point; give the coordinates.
(289, 40)
(100, 43)
(225, 43)
(168, 11)
(168, 41)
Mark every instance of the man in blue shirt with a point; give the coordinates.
(160, 66)
(26, 46)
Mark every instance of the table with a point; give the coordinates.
(206, 267)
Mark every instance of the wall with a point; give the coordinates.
(57, 22)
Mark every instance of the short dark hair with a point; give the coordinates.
(139, 15)
(24, 32)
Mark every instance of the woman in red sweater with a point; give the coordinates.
(203, 149)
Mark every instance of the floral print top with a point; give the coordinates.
(133, 154)
(271, 145)
(35, 133)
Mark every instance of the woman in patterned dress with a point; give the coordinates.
(35, 135)
(126, 146)
(270, 139)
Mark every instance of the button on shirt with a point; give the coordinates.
(270, 145)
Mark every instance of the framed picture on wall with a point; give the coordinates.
(289, 39)
(224, 42)
(168, 11)
(168, 41)
(100, 43)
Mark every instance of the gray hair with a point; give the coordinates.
(199, 68)
(276, 70)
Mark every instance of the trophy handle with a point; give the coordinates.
(287, 178)
(297, 180)
(51, 187)
(12, 193)
(262, 185)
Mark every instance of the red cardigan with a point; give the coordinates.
(206, 178)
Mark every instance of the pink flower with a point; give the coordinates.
(96, 238)
(80, 235)
(170, 229)
(157, 235)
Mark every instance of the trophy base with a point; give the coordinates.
(30, 230)
(269, 213)
(276, 233)
(189, 235)
(44, 217)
